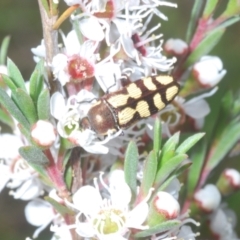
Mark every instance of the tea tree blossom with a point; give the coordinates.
(153, 181)
(111, 217)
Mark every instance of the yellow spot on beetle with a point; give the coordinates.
(149, 84)
(159, 104)
(143, 109)
(118, 100)
(164, 79)
(126, 115)
(134, 91)
(171, 92)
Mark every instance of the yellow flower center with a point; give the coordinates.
(109, 221)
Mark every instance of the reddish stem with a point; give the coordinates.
(56, 176)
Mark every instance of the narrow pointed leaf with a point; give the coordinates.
(12, 108)
(162, 227)
(206, 45)
(149, 173)
(227, 23)
(157, 138)
(196, 10)
(25, 104)
(130, 166)
(189, 143)
(209, 8)
(6, 118)
(223, 144)
(197, 156)
(169, 167)
(15, 74)
(233, 8)
(43, 105)
(171, 143)
(8, 81)
(4, 50)
(34, 155)
(36, 82)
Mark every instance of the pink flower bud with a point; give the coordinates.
(229, 181)
(208, 198)
(166, 205)
(208, 71)
(43, 133)
(176, 47)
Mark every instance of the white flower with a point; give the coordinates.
(39, 52)
(108, 217)
(43, 133)
(222, 224)
(39, 213)
(76, 63)
(69, 116)
(176, 47)
(15, 173)
(208, 198)
(209, 71)
(166, 205)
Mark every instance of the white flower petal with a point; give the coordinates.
(120, 191)
(57, 105)
(5, 175)
(87, 200)
(91, 29)
(28, 190)
(38, 212)
(9, 146)
(72, 43)
(138, 215)
(197, 109)
(85, 230)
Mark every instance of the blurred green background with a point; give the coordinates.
(21, 20)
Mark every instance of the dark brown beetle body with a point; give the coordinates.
(137, 100)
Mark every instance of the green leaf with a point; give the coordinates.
(4, 50)
(204, 47)
(9, 82)
(63, 210)
(15, 74)
(226, 23)
(36, 82)
(196, 10)
(68, 176)
(189, 143)
(233, 8)
(197, 156)
(25, 104)
(162, 227)
(149, 173)
(11, 107)
(6, 118)
(130, 166)
(223, 144)
(168, 167)
(157, 138)
(171, 143)
(34, 155)
(43, 105)
(209, 8)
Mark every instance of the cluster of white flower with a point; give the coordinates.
(112, 43)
